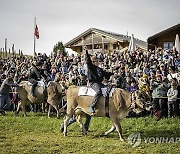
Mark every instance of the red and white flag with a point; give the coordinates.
(36, 32)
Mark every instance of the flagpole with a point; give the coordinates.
(34, 36)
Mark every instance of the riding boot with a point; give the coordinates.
(92, 108)
(32, 89)
(95, 100)
(87, 122)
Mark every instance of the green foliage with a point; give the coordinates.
(39, 134)
(59, 47)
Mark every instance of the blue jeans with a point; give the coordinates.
(5, 102)
(73, 119)
(173, 109)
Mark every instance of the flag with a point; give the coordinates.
(36, 32)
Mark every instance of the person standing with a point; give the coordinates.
(5, 101)
(172, 99)
(159, 90)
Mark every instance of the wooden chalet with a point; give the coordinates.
(164, 39)
(98, 40)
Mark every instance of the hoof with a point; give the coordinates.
(121, 139)
(65, 134)
(102, 135)
(61, 128)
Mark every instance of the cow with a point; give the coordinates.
(119, 105)
(52, 94)
(55, 95)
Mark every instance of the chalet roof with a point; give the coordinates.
(164, 32)
(112, 35)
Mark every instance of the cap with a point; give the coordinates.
(144, 76)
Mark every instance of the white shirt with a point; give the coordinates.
(174, 75)
(172, 94)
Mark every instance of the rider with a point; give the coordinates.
(95, 76)
(35, 75)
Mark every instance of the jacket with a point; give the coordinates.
(6, 87)
(36, 74)
(159, 89)
(95, 73)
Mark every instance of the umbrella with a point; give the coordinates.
(177, 43)
(131, 47)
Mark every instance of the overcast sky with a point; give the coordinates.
(62, 20)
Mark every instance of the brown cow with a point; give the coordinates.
(54, 91)
(54, 96)
(119, 105)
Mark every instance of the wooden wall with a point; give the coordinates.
(169, 36)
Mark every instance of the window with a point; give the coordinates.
(105, 46)
(168, 45)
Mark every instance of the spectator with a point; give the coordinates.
(133, 86)
(5, 88)
(172, 73)
(172, 93)
(159, 90)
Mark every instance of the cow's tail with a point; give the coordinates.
(117, 99)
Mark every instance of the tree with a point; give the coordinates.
(59, 47)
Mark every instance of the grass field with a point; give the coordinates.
(38, 134)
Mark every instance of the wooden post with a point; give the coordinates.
(92, 43)
(34, 37)
(3, 53)
(6, 47)
(13, 50)
(103, 44)
(82, 44)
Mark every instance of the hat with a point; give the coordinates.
(144, 76)
(153, 71)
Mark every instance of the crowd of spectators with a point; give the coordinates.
(155, 73)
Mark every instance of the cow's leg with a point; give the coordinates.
(42, 107)
(23, 109)
(117, 124)
(22, 105)
(79, 120)
(18, 107)
(67, 117)
(57, 110)
(110, 130)
(54, 105)
(49, 111)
